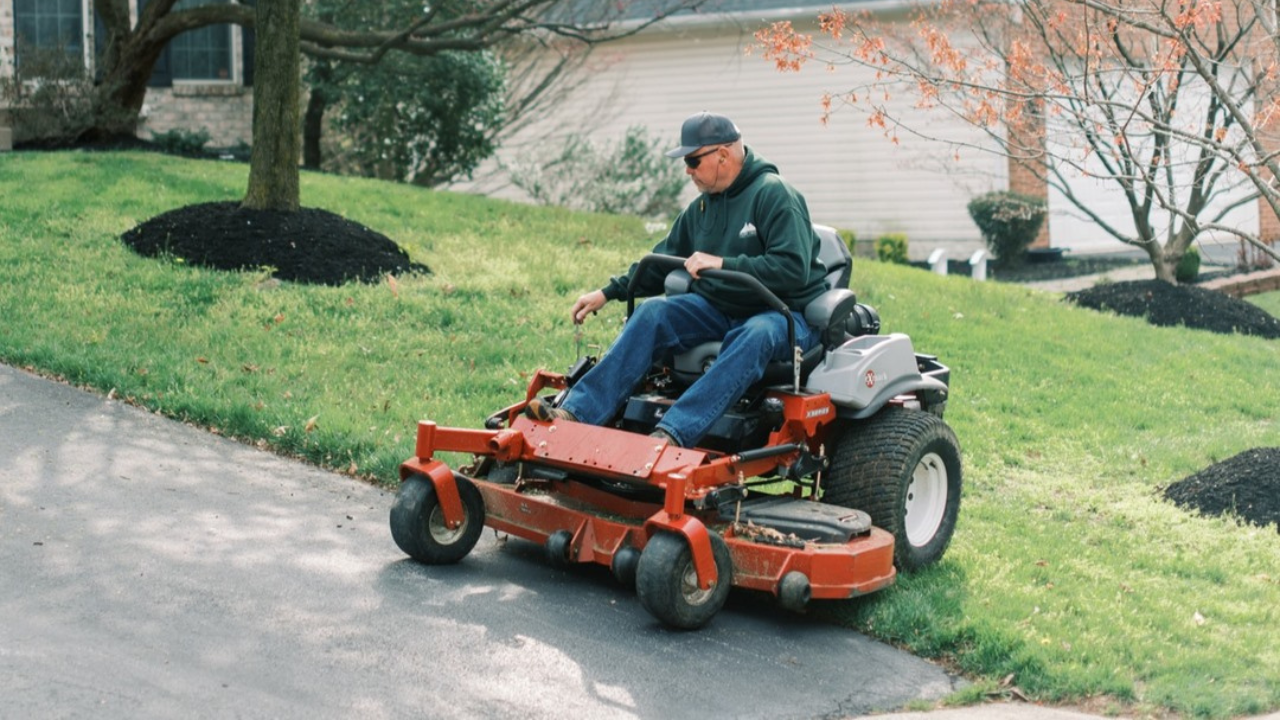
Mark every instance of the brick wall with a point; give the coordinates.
(1028, 140)
(1024, 180)
(224, 111)
(6, 38)
(1244, 285)
(6, 69)
(1268, 128)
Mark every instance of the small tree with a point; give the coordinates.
(631, 176)
(407, 118)
(131, 49)
(50, 98)
(420, 120)
(1153, 97)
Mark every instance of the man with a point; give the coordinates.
(747, 219)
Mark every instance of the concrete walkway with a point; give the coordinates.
(1082, 282)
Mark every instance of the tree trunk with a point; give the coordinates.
(125, 69)
(313, 130)
(118, 100)
(273, 164)
(313, 120)
(1166, 270)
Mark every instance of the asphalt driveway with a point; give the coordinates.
(150, 569)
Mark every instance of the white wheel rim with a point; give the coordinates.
(440, 532)
(926, 500)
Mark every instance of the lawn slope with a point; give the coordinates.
(1068, 572)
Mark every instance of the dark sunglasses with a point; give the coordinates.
(693, 161)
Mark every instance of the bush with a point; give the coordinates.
(631, 177)
(182, 142)
(1009, 222)
(850, 239)
(892, 248)
(50, 98)
(1188, 267)
(425, 120)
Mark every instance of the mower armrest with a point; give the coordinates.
(677, 282)
(828, 312)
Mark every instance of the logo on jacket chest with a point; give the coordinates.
(748, 230)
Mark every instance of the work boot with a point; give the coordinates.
(661, 434)
(541, 410)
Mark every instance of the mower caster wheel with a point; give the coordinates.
(667, 583)
(624, 566)
(794, 591)
(558, 547)
(418, 525)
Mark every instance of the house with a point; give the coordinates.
(202, 81)
(852, 174)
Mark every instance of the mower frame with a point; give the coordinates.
(560, 488)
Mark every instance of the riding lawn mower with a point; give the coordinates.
(829, 476)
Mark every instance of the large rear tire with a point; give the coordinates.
(901, 467)
(418, 526)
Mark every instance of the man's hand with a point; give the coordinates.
(700, 261)
(588, 304)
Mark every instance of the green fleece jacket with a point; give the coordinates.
(760, 226)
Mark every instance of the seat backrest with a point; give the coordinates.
(835, 255)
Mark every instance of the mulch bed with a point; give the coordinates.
(1179, 305)
(307, 246)
(1247, 486)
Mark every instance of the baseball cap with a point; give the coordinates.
(704, 129)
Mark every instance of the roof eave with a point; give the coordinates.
(693, 21)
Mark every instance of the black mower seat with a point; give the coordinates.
(827, 313)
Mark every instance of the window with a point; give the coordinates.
(50, 24)
(203, 54)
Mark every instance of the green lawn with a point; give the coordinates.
(1267, 301)
(1067, 572)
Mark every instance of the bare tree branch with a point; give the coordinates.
(1159, 98)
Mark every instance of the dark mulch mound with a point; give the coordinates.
(1173, 305)
(1247, 485)
(95, 144)
(308, 246)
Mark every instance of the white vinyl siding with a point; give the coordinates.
(852, 176)
(1070, 228)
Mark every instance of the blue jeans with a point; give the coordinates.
(675, 324)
